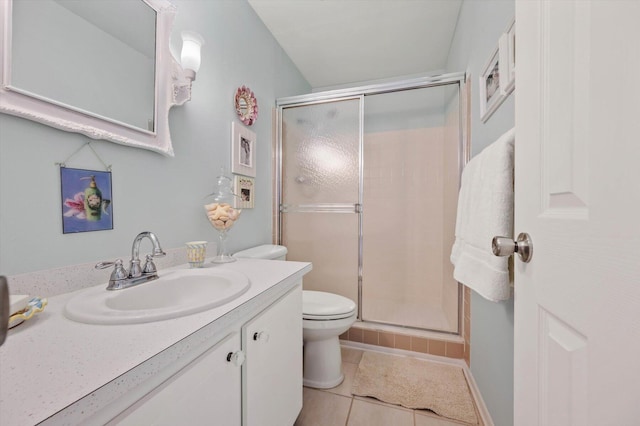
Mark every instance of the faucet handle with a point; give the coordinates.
(119, 273)
(149, 266)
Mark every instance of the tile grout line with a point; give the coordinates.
(346, 421)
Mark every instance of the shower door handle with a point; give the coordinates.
(321, 208)
(505, 246)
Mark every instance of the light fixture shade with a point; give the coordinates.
(190, 56)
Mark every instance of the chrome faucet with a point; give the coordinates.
(121, 279)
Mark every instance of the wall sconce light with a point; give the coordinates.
(185, 71)
(190, 57)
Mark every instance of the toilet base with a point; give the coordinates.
(323, 385)
(322, 363)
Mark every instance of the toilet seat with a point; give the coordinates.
(322, 306)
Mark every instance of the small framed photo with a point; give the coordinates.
(491, 93)
(508, 59)
(243, 150)
(86, 200)
(244, 188)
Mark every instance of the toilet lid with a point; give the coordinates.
(322, 305)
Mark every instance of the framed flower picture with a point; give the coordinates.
(86, 200)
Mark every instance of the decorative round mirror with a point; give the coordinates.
(246, 105)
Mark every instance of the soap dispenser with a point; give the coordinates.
(92, 200)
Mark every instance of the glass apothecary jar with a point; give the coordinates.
(222, 213)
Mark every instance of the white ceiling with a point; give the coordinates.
(335, 42)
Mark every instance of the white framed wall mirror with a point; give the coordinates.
(100, 68)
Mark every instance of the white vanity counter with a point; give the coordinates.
(58, 371)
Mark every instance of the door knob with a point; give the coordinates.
(505, 246)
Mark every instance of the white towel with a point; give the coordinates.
(485, 210)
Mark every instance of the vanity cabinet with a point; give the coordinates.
(252, 377)
(208, 388)
(272, 372)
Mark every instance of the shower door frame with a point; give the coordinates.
(360, 92)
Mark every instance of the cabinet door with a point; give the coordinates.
(272, 373)
(207, 391)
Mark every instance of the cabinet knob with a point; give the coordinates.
(261, 336)
(236, 358)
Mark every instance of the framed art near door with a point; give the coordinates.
(243, 151)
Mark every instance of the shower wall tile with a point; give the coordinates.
(451, 176)
(330, 241)
(437, 347)
(406, 342)
(370, 337)
(419, 344)
(404, 244)
(403, 342)
(386, 339)
(454, 350)
(356, 335)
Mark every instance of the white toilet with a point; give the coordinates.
(325, 316)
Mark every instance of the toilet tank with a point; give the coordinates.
(265, 251)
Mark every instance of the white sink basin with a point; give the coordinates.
(176, 293)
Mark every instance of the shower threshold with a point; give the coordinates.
(407, 339)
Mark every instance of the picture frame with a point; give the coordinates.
(243, 150)
(86, 200)
(244, 187)
(508, 59)
(491, 93)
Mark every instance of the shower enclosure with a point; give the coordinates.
(367, 184)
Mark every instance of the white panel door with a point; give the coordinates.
(577, 193)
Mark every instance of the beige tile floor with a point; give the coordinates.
(338, 407)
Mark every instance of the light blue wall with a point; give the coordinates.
(479, 27)
(150, 191)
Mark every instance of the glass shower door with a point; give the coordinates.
(320, 198)
(411, 167)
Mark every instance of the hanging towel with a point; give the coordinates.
(485, 210)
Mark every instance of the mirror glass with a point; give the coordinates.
(94, 56)
(246, 105)
(242, 107)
